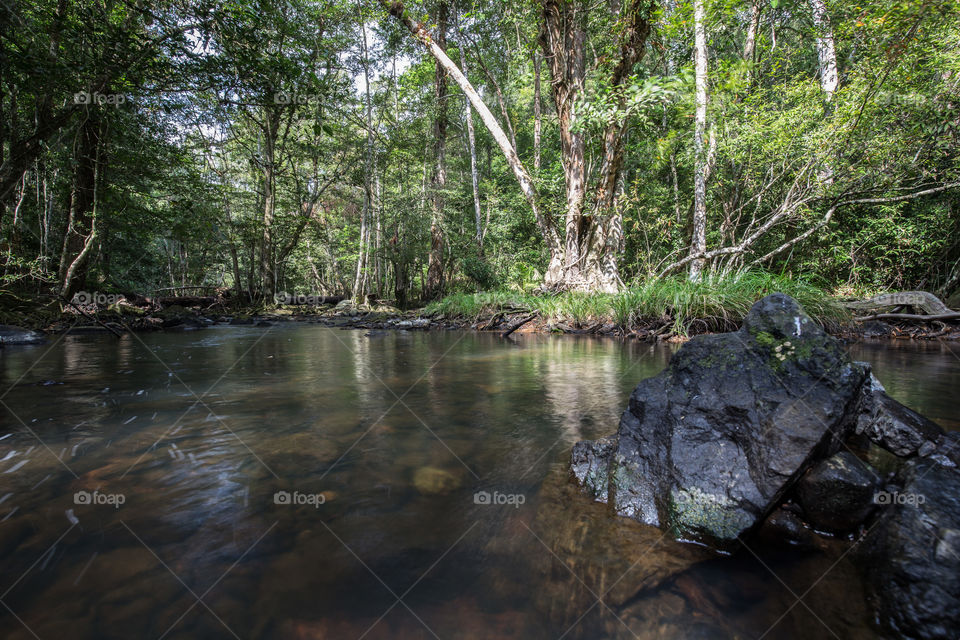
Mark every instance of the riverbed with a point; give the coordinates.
(299, 481)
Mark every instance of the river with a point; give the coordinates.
(306, 482)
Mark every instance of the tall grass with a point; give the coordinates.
(711, 304)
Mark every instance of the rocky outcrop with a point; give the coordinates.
(911, 556)
(758, 428)
(708, 448)
(17, 335)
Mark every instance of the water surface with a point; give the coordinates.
(306, 482)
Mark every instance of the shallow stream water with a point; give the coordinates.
(307, 482)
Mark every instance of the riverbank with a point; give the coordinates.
(622, 316)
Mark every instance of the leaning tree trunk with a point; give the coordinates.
(543, 218)
(698, 244)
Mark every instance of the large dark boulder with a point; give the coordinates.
(707, 448)
(838, 493)
(911, 555)
(18, 335)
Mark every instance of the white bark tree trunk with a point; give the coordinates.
(537, 115)
(826, 54)
(438, 182)
(360, 278)
(698, 244)
(471, 142)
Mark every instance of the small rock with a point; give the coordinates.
(893, 426)
(837, 494)
(782, 526)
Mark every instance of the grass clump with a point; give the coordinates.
(714, 303)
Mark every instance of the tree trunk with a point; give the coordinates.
(543, 218)
(537, 115)
(750, 44)
(826, 54)
(267, 275)
(698, 244)
(438, 181)
(471, 143)
(81, 231)
(563, 40)
(360, 278)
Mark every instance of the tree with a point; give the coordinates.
(438, 180)
(698, 245)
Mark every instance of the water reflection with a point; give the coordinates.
(397, 432)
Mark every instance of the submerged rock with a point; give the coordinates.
(434, 481)
(911, 556)
(18, 335)
(707, 448)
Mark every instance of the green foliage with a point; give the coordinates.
(197, 125)
(715, 302)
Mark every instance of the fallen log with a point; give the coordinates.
(186, 301)
(519, 324)
(953, 315)
(923, 300)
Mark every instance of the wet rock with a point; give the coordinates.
(241, 321)
(590, 462)
(893, 426)
(947, 451)
(347, 308)
(18, 335)
(783, 526)
(911, 557)
(433, 481)
(837, 494)
(707, 448)
(875, 329)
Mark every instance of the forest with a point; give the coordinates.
(405, 152)
(278, 287)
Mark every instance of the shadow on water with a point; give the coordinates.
(305, 482)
